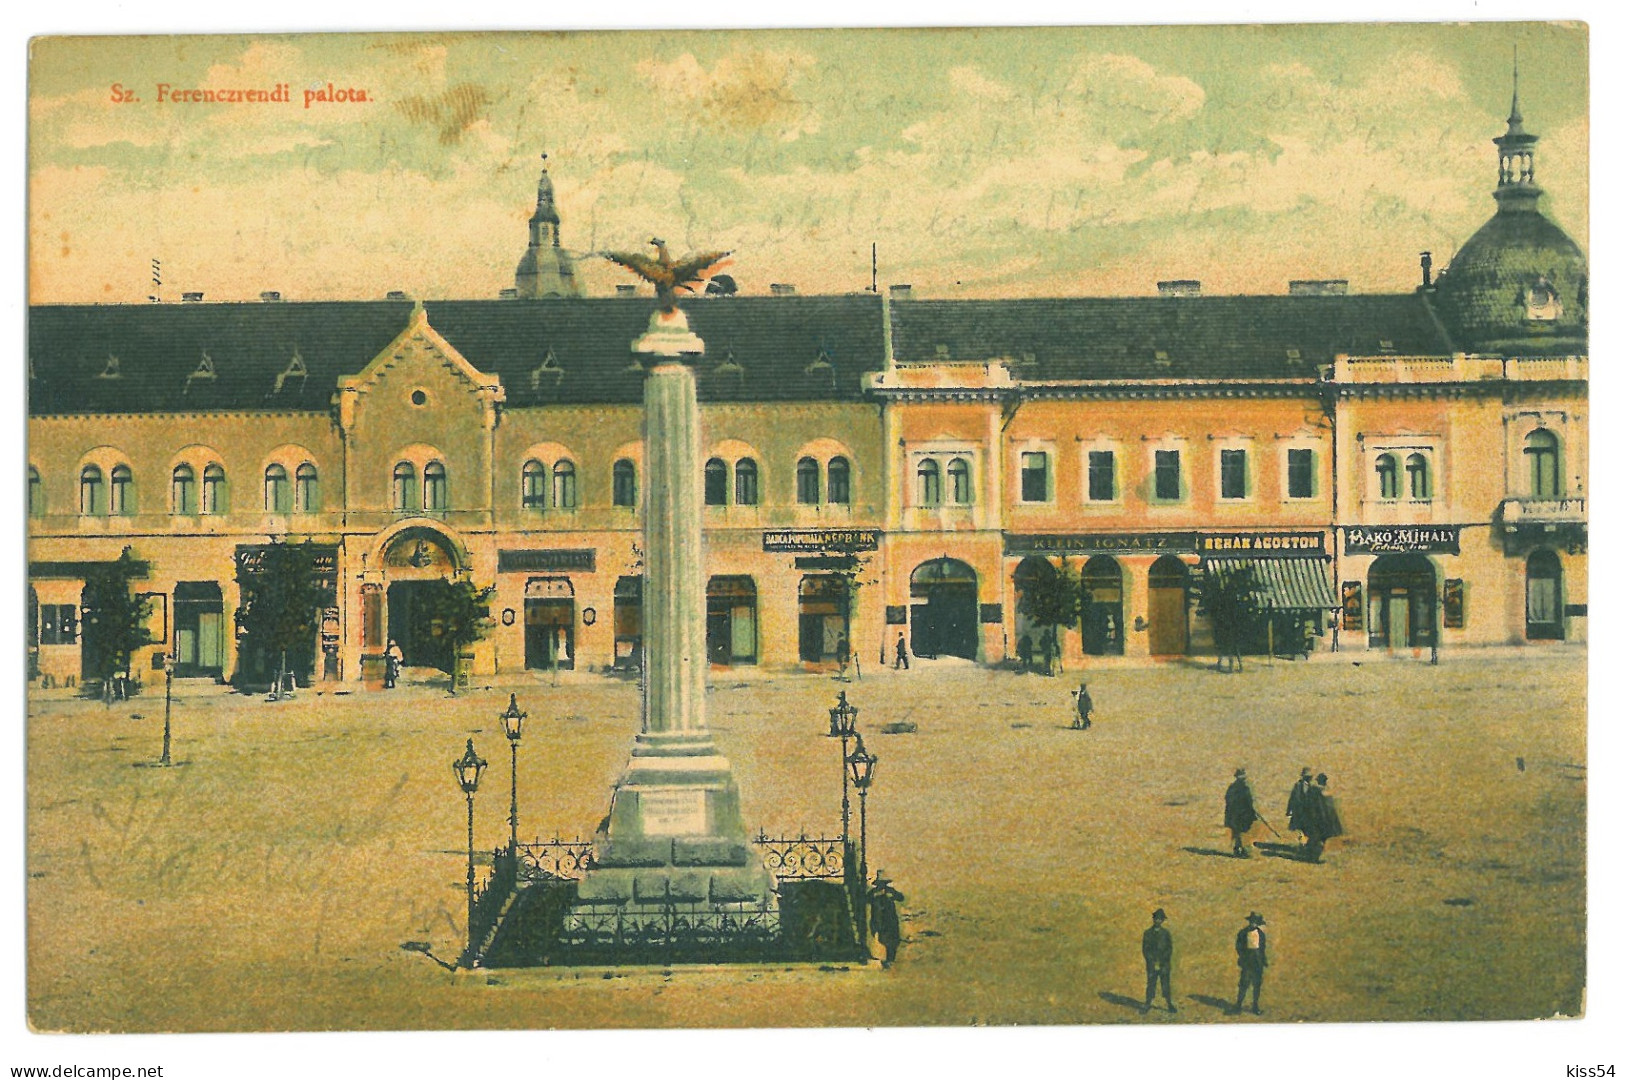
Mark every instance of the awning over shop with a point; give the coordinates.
(1284, 584)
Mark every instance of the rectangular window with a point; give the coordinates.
(1300, 474)
(1232, 474)
(1035, 477)
(58, 624)
(1102, 476)
(1167, 478)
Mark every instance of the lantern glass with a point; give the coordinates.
(843, 718)
(468, 768)
(513, 720)
(862, 764)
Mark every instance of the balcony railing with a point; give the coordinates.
(1531, 513)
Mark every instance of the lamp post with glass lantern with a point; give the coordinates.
(468, 769)
(169, 681)
(843, 721)
(862, 764)
(513, 721)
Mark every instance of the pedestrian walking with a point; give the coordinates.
(1297, 806)
(393, 658)
(1324, 820)
(883, 919)
(843, 654)
(1157, 946)
(901, 660)
(1024, 653)
(1252, 957)
(1086, 706)
(1239, 813)
(1051, 649)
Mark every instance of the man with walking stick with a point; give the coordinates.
(1239, 813)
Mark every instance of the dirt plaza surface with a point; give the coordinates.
(270, 881)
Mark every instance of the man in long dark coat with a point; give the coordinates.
(1252, 958)
(1324, 820)
(1239, 813)
(1157, 946)
(1297, 805)
(883, 919)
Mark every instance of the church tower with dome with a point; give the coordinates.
(546, 269)
(1517, 287)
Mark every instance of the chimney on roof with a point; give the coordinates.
(1322, 287)
(625, 292)
(396, 294)
(1181, 287)
(508, 294)
(902, 292)
(780, 289)
(1427, 269)
(191, 298)
(270, 297)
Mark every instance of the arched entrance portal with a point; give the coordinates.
(1543, 597)
(1103, 607)
(730, 620)
(1403, 591)
(550, 623)
(1169, 612)
(943, 615)
(416, 561)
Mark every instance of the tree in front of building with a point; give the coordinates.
(282, 598)
(460, 611)
(1051, 602)
(114, 618)
(1230, 598)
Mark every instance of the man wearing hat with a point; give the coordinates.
(883, 920)
(1299, 810)
(1157, 946)
(1252, 958)
(1239, 813)
(1086, 706)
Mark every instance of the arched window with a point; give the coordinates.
(306, 496)
(716, 482)
(278, 498)
(564, 485)
(959, 480)
(626, 483)
(807, 482)
(121, 492)
(840, 481)
(36, 494)
(745, 491)
(214, 489)
(406, 487)
(1387, 477)
(92, 501)
(434, 486)
(1416, 472)
(533, 485)
(930, 483)
(183, 490)
(1540, 450)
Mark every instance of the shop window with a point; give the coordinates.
(533, 485)
(1387, 477)
(306, 495)
(1232, 474)
(406, 487)
(214, 489)
(1540, 450)
(716, 482)
(564, 485)
(121, 492)
(92, 499)
(1167, 474)
(625, 478)
(36, 494)
(1418, 480)
(278, 496)
(183, 490)
(58, 624)
(959, 481)
(840, 481)
(434, 486)
(1102, 476)
(745, 485)
(807, 482)
(1300, 474)
(1034, 477)
(930, 483)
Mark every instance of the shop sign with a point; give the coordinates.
(826, 562)
(518, 561)
(1265, 544)
(815, 540)
(324, 561)
(992, 613)
(1397, 539)
(1455, 612)
(1098, 543)
(1353, 606)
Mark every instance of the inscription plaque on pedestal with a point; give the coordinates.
(672, 811)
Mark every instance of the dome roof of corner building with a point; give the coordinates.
(1495, 283)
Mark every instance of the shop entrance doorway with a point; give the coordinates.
(200, 631)
(822, 617)
(550, 624)
(1403, 604)
(943, 612)
(1543, 597)
(629, 623)
(1102, 620)
(1169, 582)
(414, 628)
(730, 620)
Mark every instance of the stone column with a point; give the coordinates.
(674, 832)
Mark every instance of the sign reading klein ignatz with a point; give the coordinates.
(1399, 539)
(1098, 543)
(816, 540)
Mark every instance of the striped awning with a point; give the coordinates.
(1287, 584)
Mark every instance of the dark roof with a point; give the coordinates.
(1482, 295)
(1152, 337)
(783, 349)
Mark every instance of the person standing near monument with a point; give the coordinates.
(1157, 946)
(901, 660)
(1239, 813)
(884, 921)
(1252, 957)
(1297, 806)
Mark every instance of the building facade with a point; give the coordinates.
(1398, 472)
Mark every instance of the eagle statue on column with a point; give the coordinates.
(667, 276)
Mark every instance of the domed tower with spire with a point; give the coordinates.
(546, 269)
(1518, 285)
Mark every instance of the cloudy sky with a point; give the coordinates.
(982, 162)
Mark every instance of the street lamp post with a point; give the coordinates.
(169, 679)
(468, 769)
(843, 721)
(513, 721)
(862, 764)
